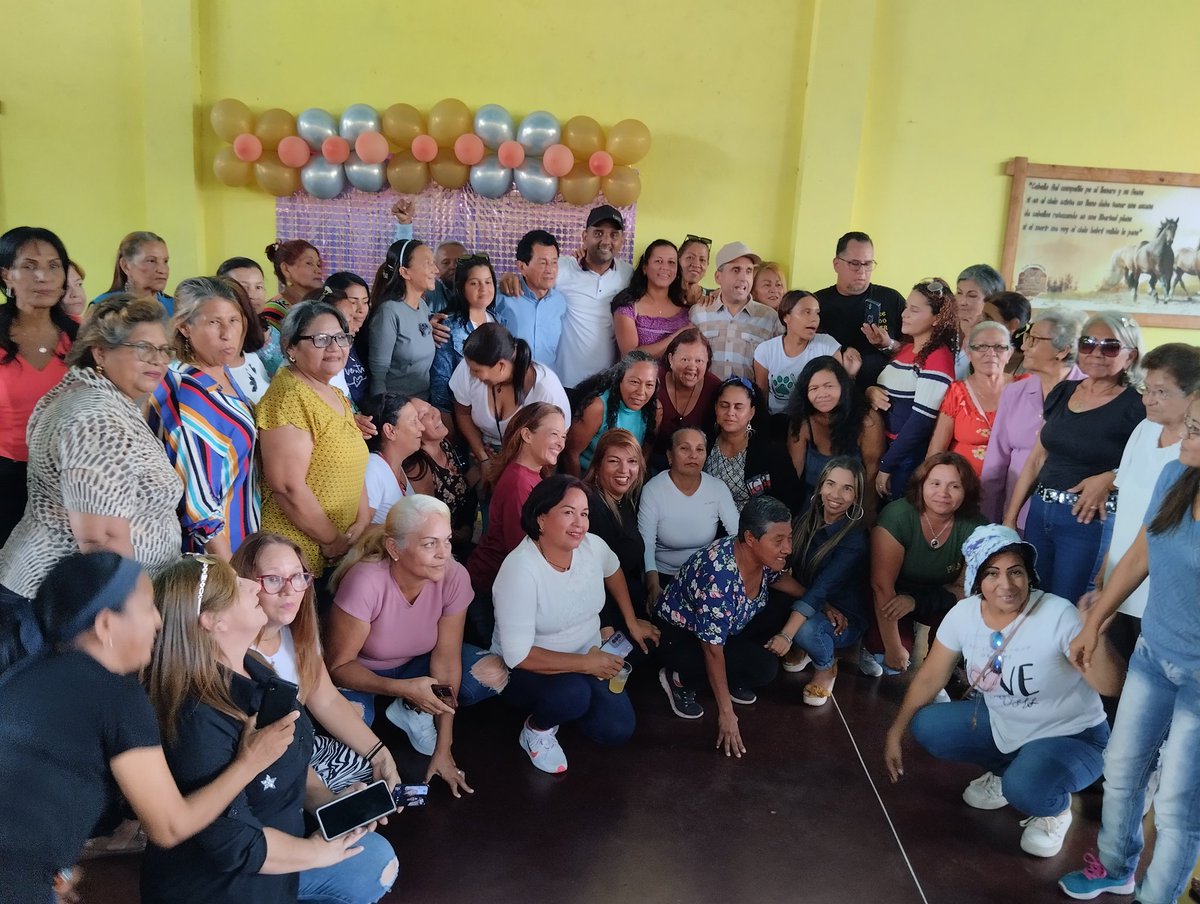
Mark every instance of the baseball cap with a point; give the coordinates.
(605, 212)
(733, 251)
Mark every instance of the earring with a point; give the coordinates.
(291, 360)
(99, 370)
(109, 642)
(861, 511)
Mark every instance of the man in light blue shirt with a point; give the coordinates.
(536, 315)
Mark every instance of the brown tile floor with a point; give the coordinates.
(667, 819)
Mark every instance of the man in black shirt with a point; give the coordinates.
(844, 306)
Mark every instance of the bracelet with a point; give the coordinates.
(373, 752)
(784, 636)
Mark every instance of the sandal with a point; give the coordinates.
(128, 838)
(817, 695)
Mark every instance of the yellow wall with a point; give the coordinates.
(781, 123)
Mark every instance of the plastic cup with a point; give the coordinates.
(616, 683)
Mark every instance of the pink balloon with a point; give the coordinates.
(600, 163)
(468, 149)
(371, 147)
(424, 148)
(335, 149)
(558, 160)
(293, 151)
(510, 154)
(247, 147)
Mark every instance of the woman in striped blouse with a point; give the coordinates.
(205, 422)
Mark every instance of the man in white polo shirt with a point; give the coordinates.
(588, 344)
(730, 320)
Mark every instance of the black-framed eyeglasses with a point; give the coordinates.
(322, 340)
(983, 349)
(1109, 348)
(150, 353)
(935, 287)
(706, 242)
(274, 583)
(859, 265)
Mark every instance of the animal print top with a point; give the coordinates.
(90, 451)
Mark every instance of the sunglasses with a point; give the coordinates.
(997, 641)
(707, 243)
(1109, 348)
(471, 260)
(934, 287)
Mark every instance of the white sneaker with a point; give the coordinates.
(543, 748)
(985, 793)
(868, 665)
(1043, 835)
(416, 724)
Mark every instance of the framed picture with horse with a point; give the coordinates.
(1105, 239)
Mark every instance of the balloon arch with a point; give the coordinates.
(452, 147)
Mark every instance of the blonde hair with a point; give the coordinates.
(110, 323)
(405, 517)
(623, 439)
(185, 661)
(769, 266)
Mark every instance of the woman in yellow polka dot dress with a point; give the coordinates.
(314, 457)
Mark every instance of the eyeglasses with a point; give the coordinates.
(322, 340)
(274, 583)
(934, 287)
(1109, 348)
(859, 265)
(1161, 395)
(1031, 338)
(150, 354)
(707, 243)
(989, 349)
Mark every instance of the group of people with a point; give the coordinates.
(449, 484)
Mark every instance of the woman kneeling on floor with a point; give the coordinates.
(1042, 733)
(829, 558)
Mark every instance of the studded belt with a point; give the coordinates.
(1062, 497)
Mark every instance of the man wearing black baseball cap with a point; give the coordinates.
(588, 344)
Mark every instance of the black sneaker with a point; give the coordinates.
(683, 702)
(742, 696)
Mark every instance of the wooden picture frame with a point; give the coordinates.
(1105, 239)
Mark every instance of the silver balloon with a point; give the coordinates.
(538, 131)
(323, 179)
(314, 125)
(359, 118)
(494, 125)
(490, 179)
(366, 176)
(533, 182)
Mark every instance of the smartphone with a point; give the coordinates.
(445, 693)
(618, 644)
(873, 313)
(279, 699)
(410, 795)
(350, 811)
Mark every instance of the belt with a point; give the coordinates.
(1062, 497)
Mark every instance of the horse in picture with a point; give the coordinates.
(1187, 263)
(1155, 257)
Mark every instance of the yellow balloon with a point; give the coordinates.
(628, 141)
(579, 186)
(231, 171)
(401, 124)
(622, 186)
(406, 174)
(583, 136)
(273, 177)
(448, 119)
(447, 171)
(230, 118)
(273, 126)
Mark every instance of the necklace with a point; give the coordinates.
(682, 410)
(553, 564)
(936, 540)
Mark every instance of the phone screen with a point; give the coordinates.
(353, 810)
(279, 699)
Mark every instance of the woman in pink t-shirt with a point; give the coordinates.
(396, 628)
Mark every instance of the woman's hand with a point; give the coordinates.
(883, 484)
(898, 607)
(837, 619)
(601, 665)
(653, 590)
(443, 766)
(403, 210)
(329, 853)
(729, 738)
(897, 660)
(893, 757)
(850, 359)
(383, 768)
(877, 336)
(365, 425)
(510, 285)
(356, 530)
(419, 692)
(261, 747)
(641, 631)
(337, 548)
(489, 468)
(1093, 493)
(778, 644)
(441, 332)
(877, 398)
(1083, 646)
(695, 294)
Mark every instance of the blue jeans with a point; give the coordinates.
(1160, 701)
(470, 690)
(1038, 777)
(358, 880)
(1066, 549)
(817, 639)
(551, 700)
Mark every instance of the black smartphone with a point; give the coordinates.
(445, 693)
(350, 811)
(410, 795)
(873, 313)
(279, 699)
